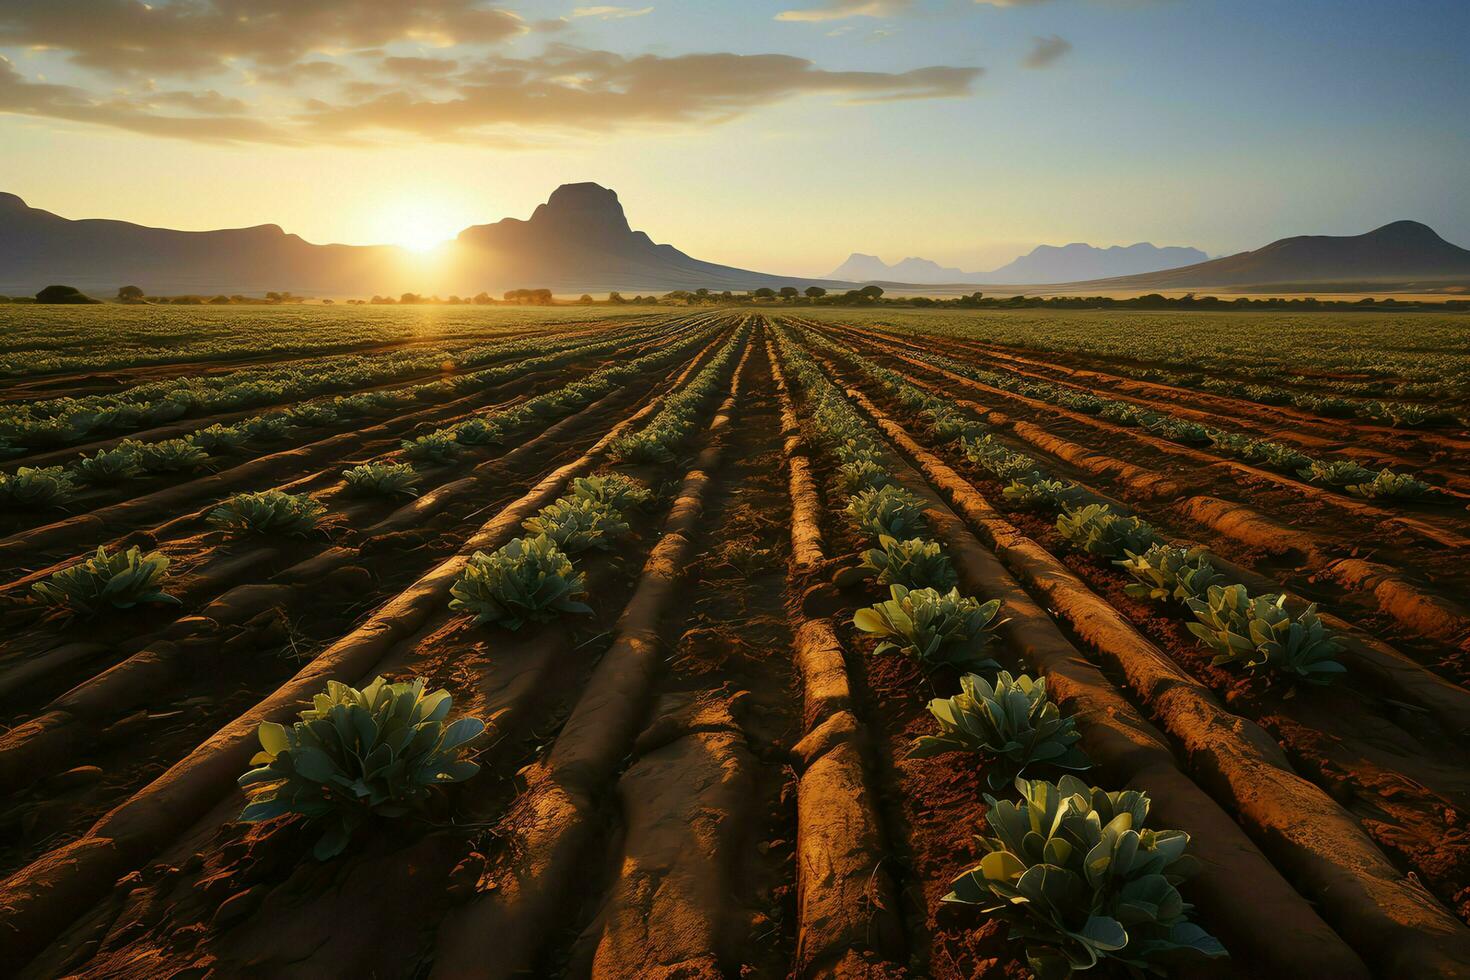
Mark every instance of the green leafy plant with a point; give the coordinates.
(529, 579)
(267, 428)
(577, 524)
(167, 456)
(1096, 530)
(217, 438)
(268, 512)
(436, 447)
(311, 413)
(1168, 572)
(612, 489)
(1260, 635)
(1012, 721)
(1180, 430)
(933, 627)
(354, 754)
(1337, 472)
(1038, 493)
(1078, 878)
(889, 510)
(1279, 457)
(35, 486)
(118, 581)
(478, 432)
(863, 474)
(106, 467)
(382, 480)
(996, 459)
(1391, 486)
(914, 563)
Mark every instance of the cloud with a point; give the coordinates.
(609, 12)
(1046, 51)
(203, 36)
(842, 9)
(578, 89)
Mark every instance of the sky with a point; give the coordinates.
(779, 135)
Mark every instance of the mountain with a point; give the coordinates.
(578, 241)
(1401, 254)
(1044, 264)
(870, 268)
(1078, 262)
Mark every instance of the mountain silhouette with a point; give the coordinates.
(578, 241)
(1044, 264)
(1402, 253)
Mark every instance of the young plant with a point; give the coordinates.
(382, 480)
(32, 486)
(577, 524)
(913, 563)
(1038, 493)
(354, 754)
(311, 413)
(1279, 457)
(863, 474)
(529, 579)
(932, 627)
(1260, 635)
(1337, 473)
(1096, 530)
(1387, 485)
(270, 512)
(119, 581)
(1079, 879)
(106, 467)
(1168, 572)
(478, 432)
(167, 456)
(889, 510)
(1013, 722)
(217, 438)
(436, 447)
(612, 489)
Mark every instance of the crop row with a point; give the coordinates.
(33, 487)
(1095, 883)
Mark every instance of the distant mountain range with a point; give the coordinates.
(1402, 254)
(580, 241)
(1043, 264)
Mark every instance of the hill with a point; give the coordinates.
(1043, 264)
(1399, 254)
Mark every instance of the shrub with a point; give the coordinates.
(268, 512)
(32, 486)
(1337, 472)
(932, 627)
(527, 579)
(1013, 722)
(119, 581)
(106, 467)
(613, 489)
(382, 480)
(167, 456)
(1168, 572)
(914, 563)
(577, 524)
(436, 447)
(1260, 635)
(1096, 530)
(1393, 486)
(381, 750)
(1076, 875)
(890, 510)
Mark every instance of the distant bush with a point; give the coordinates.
(63, 294)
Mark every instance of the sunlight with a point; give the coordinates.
(419, 225)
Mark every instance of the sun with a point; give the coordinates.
(419, 225)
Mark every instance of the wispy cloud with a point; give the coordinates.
(609, 12)
(1045, 51)
(842, 9)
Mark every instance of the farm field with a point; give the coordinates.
(777, 640)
